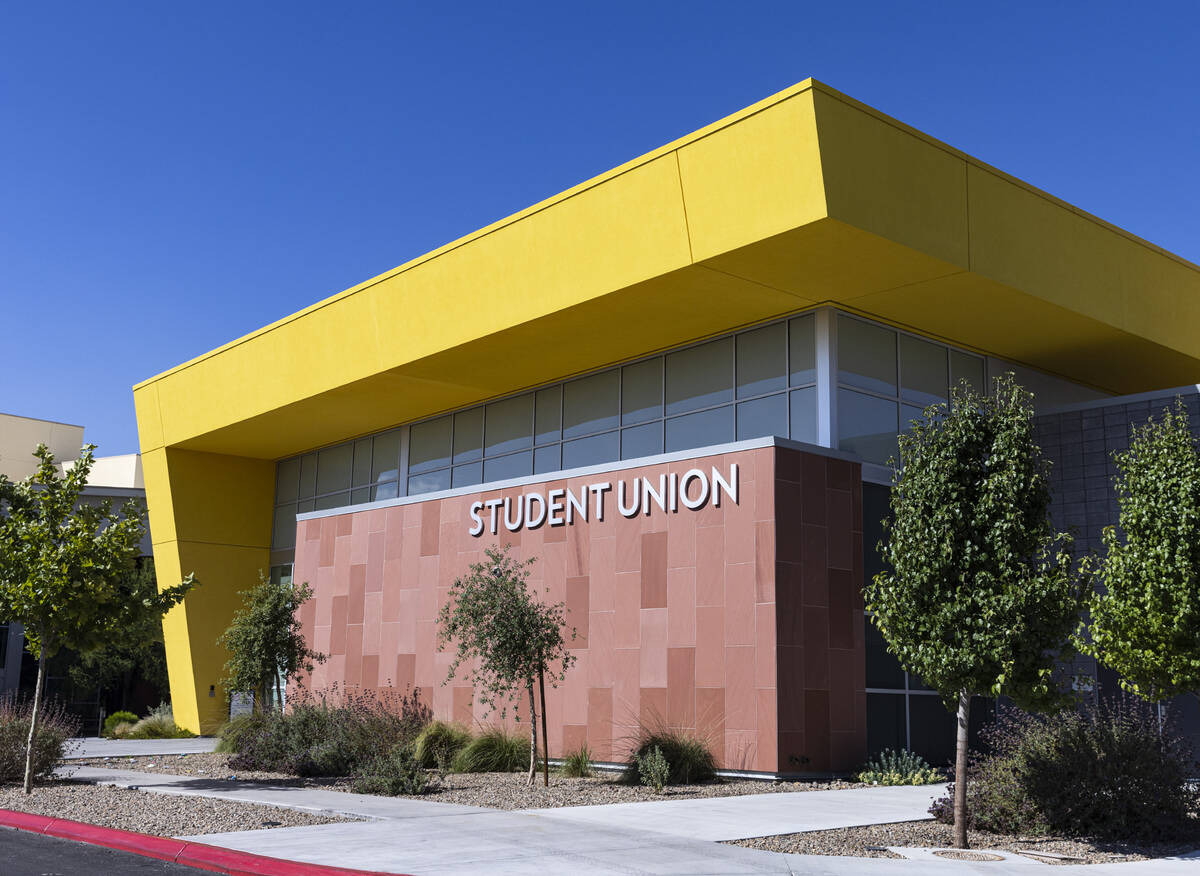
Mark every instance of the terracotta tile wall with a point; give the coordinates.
(675, 613)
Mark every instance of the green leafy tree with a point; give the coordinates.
(1145, 621)
(138, 653)
(265, 641)
(982, 594)
(64, 566)
(507, 639)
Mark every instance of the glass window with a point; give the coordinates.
(429, 446)
(590, 451)
(641, 392)
(964, 366)
(590, 404)
(866, 355)
(362, 461)
(509, 425)
(501, 468)
(866, 425)
(468, 435)
(386, 490)
(644, 440)
(802, 349)
(333, 468)
(908, 413)
(763, 417)
(287, 480)
(360, 495)
(304, 506)
(548, 404)
(333, 500)
(285, 527)
(546, 459)
(385, 456)
(803, 414)
(762, 360)
(931, 728)
(467, 475)
(308, 475)
(924, 377)
(700, 376)
(883, 670)
(886, 724)
(428, 483)
(714, 426)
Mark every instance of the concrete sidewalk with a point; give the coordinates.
(660, 837)
(93, 746)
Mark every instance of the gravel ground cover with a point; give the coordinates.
(870, 842)
(158, 814)
(493, 790)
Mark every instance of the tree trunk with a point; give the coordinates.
(960, 772)
(532, 738)
(33, 718)
(545, 733)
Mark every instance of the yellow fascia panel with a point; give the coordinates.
(884, 178)
(604, 238)
(159, 501)
(221, 499)
(149, 420)
(1029, 241)
(755, 179)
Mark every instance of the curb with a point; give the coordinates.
(199, 855)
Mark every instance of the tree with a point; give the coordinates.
(265, 640)
(1145, 622)
(982, 592)
(137, 654)
(507, 637)
(62, 568)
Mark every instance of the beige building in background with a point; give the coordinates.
(116, 478)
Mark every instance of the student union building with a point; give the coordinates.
(676, 387)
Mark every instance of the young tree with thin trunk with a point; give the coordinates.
(1145, 621)
(508, 639)
(265, 641)
(982, 594)
(65, 566)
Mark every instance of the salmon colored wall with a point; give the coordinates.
(676, 613)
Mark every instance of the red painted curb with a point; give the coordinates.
(199, 855)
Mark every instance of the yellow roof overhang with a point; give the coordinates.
(807, 197)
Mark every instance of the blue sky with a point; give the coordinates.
(173, 176)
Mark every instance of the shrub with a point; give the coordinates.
(393, 774)
(439, 743)
(159, 724)
(1107, 773)
(115, 719)
(688, 755)
(55, 727)
(336, 733)
(899, 768)
(653, 768)
(578, 764)
(493, 751)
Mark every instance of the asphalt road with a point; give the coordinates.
(31, 854)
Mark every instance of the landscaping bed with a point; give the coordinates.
(157, 814)
(491, 790)
(869, 842)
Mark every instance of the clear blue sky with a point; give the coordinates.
(175, 175)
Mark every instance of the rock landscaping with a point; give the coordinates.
(872, 842)
(491, 790)
(158, 814)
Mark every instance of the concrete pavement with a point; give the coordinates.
(660, 837)
(92, 746)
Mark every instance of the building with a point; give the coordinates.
(116, 478)
(675, 386)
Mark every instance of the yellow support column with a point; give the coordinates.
(210, 514)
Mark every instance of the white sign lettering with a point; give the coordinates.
(637, 496)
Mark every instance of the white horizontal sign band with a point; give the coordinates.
(694, 489)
